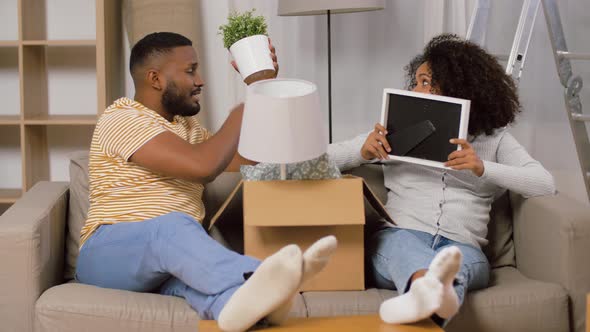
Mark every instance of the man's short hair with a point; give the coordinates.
(155, 44)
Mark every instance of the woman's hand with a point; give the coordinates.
(376, 145)
(466, 158)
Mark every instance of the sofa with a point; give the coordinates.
(539, 280)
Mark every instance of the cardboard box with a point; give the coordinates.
(277, 213)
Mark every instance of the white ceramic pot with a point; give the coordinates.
(252, 56)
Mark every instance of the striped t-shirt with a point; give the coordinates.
(122, 191)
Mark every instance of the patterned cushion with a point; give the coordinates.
(315, 169)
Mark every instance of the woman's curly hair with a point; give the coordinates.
(461, 69)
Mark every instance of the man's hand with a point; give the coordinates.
(376, 145)
(273, 55)
(466, 158)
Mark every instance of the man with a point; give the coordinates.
(149, 160)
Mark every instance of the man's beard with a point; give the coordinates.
(177, 104)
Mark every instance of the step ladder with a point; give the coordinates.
(572, 84)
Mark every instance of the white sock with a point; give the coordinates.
(420, 302)
(315, 258)
(445, 266)
(273, 283)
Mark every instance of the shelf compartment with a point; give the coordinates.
(43, 20)
(62, 120)
(9, 83)
(10, 155)
(66, 65)
(36, 160)
(66, 84)
(34, 81)
(61, 145)
(33, 25)
(78, 13)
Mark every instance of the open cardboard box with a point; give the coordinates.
(277, 213)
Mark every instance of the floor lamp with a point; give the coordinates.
(328, 7)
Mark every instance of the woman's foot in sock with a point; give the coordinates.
(445, 266)
(422, 300)
(273, 284)
(315, 258)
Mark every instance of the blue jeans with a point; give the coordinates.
(172, 253)
(396, 254)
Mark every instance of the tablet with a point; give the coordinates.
(420, 125)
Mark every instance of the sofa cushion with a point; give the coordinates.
(511, 303)
(500, 249)
(77, 307)
(514, 303)
(78, 209)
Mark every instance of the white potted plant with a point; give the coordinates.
(245, 36)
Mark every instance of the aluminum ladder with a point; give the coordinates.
(572, 84)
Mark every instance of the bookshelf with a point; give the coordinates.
(60, 65)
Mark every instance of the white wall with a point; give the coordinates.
(370, 49)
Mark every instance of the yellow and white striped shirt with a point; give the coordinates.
(122, 191)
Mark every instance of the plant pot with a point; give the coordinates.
(252, 56)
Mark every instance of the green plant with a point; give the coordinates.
(240, 26)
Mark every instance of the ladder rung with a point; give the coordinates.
(580, 117)
(574, 56)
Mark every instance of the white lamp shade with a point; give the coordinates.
(318, 7)
(282, 122)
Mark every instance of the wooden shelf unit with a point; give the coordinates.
(10, 120)
(9, 43)
(34, 116)
(65, 42)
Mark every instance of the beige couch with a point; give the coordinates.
(538, 248)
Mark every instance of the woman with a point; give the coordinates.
(433, 254)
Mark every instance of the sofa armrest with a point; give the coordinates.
(31, 252)
(552, 241)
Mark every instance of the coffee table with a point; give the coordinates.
(370, 323)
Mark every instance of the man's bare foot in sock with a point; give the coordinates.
(445, 266)
(421, 301)
(273, 283)
(315, 258)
